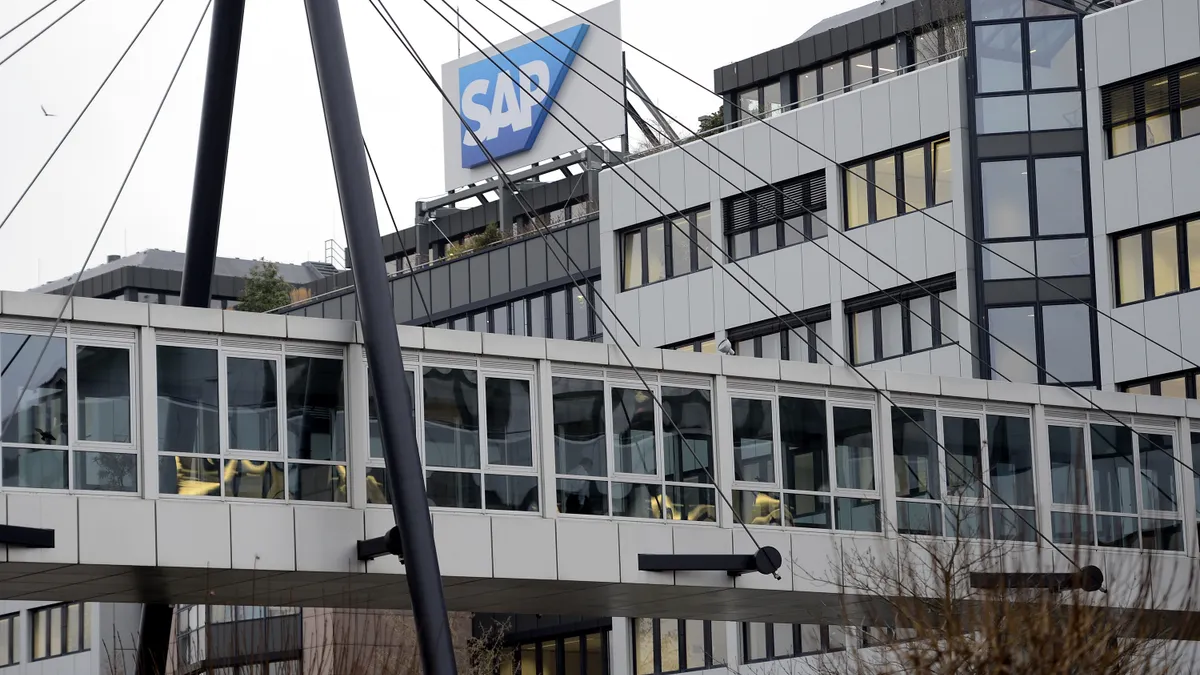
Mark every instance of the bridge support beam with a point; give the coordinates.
(405, 476)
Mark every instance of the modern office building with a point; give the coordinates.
(941, 136)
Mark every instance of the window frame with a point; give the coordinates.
(1091, 510)
(775, 489)
(782, 219)
(696, 258)
(11, 624)
(1038, 309)
(620, 380)
(1145, 235)
(85, 638)
(1024, 22)
(807, 324)
(74, 445)
(876, 303)
(681, 645)
(278, 353)
(897, 155)
(1139, 117)
(1190, 377)
(592, 287)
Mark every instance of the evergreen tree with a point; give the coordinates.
(265, 289)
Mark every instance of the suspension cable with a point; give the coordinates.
(27, 19)
(395, 228)
(40, 32)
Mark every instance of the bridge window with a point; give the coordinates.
(220, 423)
(677, 645)
(39, 429)
(656, 465)
(476, 429)
(1112, 487)
(60, 629)
(827, 455)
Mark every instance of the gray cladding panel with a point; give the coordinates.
(577, 247)
(422, 288)
(556, 255)
(439, 280)
(516, 266)
(498, 271)
(593, 229)
(350, 307)
(480, 280)
(535, 261)
(460, 283)
(402, 300)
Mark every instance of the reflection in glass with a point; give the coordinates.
(316, 408)
(915, 452)
(510, 493)
(919, 518)
(253, 404)
(1117, 531)
(967, 522)
(810, 511)
(748, 103)
(1068, 342)
(1056, 111)
(760, 508)
(637, 500)
(691, 503)
(806, 87)
(36, 415)
(854, 448)
(377, 486)
(1112, 469)
(189, 476)
(253, 480)
(914, 180)
(1005, 199)
(1014, 524)
(1014, 326)
(317, 482)
(885, 58)
(856, 196)
(1009, 260)
(451, 417)
(1068, 466)
(581, 496)
(1130, 281)
(1060, 195)
(858, 515)
(509, 421)
(1002, 114)
(989, 10)
(1052, 54)
(999, 61)
(1164, 248)
(1010, 459)
(108, 471)
(1161, 534)
(633, 431)
(1158, 471)
(579, 435)
(860, 68)
(102, 386)
(943, 170)
(33, 468)
(373, 428)
(964, 456)
(804, 440)
(772, 99)
(687, 458)
(1074, 529)
(1064, 257)
(833, 79)
(451, 489)
(753, 441)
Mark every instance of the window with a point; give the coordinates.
(676, 645)
(808, 339)
(1175, 385)
(1052, 337)
(950, 488)
(772, 217)
(1152, 109)
(774, 641)
(41, 430)
(654, 251)
(802, 462)
(563, 313)
(222, 413)
(10, 635)
(998, 57)
(617, 453)
(808, 87)
(566, 655)
(1005, 199)
(706, 345)
(1157, 261)
(899, 182)
(1098, 497)
(881, 328)
(59, 630)
(759, 102)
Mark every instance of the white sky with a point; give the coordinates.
(280, 200)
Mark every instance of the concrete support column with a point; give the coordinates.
(147, 393)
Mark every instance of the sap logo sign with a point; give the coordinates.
(505, 108)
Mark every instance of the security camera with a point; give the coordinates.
(726, 348)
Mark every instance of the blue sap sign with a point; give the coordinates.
(506, 115)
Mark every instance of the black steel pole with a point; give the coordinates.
(401, 459)
(208, 187)
(212, 153)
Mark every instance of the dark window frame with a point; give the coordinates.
(1039, 336)
(797, 643)
(1191, 382)
(805, 323)
(877, 302)
(1135, 87)
(784, 211)
(1026, 68)
(11, 623)
(1145, 234)
(692, 345)
(84, 639)
(681, 645)
(896, 154)
(697, 259)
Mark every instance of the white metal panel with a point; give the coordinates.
(588, 550)
(1181, 30)
(935, 103)
(1162, 324)
(1129, 347)
(785, 155)
(848, 127)
(1112, 45)
(756, 142)
(1121, 192)
(905, 103)
(877, 118)
(881, 242)
(1146, 31)
(524, 548)
(1154, 183)
(676, 303)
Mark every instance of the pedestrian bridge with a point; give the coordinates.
(203, 456)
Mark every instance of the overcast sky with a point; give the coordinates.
(280, 199)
